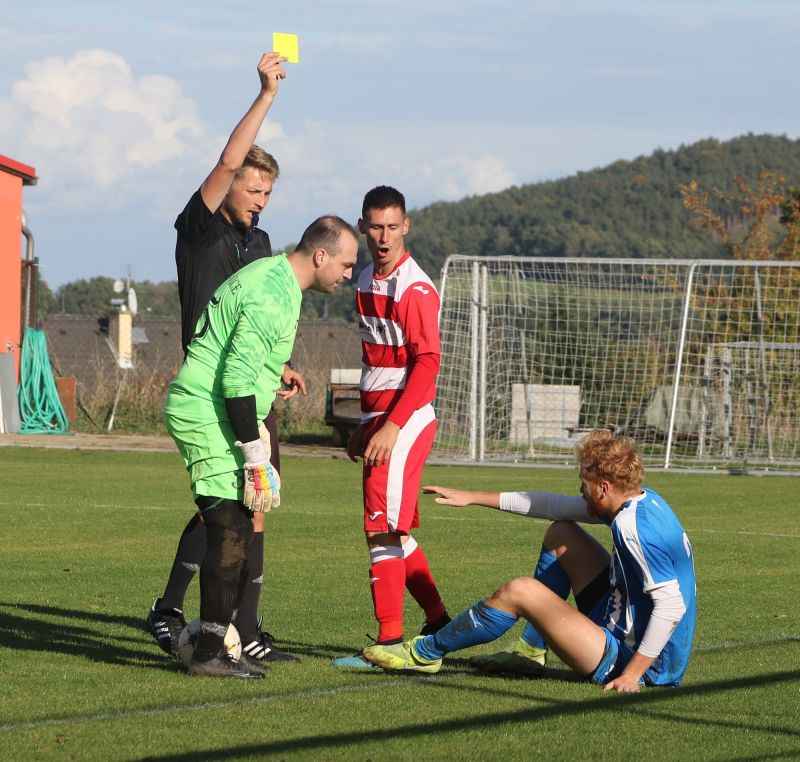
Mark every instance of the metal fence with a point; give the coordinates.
(698, 360)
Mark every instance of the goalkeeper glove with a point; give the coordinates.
(262, 485)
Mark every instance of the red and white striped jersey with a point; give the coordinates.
(399, 326)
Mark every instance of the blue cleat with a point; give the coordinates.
(356, 661)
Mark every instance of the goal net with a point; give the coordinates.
(699, 361)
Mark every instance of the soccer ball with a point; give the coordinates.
(190, 633)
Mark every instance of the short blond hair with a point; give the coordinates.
(603, 455)
(264, 162)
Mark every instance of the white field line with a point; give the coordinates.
(112, 506)
(747, 643)
(161, 711)
(748, 534)
(456, 518)
(118, 506)
(317, 693)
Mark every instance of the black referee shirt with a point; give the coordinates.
(208, 251)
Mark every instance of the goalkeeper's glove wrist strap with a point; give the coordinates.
(254, 452)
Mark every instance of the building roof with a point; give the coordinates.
(17, 168)
(79, 346)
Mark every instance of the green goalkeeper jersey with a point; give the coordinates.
(240, 344)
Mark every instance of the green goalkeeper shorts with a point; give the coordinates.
(213, 461)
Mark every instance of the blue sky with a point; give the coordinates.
(123, 108)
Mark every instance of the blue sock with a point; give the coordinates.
(550, 573)
(478, 624)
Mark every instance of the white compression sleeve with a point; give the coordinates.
(668, 610)
(546, 505)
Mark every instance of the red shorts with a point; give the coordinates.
(391, 491)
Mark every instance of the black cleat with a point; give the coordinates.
(433, 627)
(224, 665)
(254, 665)
(166, 627)
(262, 647)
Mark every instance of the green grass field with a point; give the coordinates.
(87, 539)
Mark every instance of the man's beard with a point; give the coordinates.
(591, 507)
(245, 223)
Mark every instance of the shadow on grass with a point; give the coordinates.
(643, 702)
(315, 650)
(26, 627)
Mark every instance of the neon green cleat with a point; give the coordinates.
(521, 659)
(401, 657)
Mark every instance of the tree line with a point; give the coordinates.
(657, 206)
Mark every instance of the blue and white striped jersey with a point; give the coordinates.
(651, 549)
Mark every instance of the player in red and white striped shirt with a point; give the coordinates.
(398, 308)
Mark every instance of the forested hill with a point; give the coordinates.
(628, 209)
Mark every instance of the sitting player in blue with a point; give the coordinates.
(635, 616)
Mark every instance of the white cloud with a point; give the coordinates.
(92, 128)
(327, 167)
(461, 176)
(332, 165)
(268, 132)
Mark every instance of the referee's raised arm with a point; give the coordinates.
(217, 184)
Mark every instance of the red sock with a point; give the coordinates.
(387, 582)
(422, 585)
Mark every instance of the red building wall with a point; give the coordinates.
(13, 176)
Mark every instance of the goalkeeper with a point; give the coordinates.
(635, 614)
(226, 385)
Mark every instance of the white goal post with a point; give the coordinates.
(698, 360)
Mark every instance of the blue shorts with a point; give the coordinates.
(616, 654)
(615, 658)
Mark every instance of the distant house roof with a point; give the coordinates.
(17, 168)
(78, 346)
(325, 344)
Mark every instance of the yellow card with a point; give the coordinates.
(286, 45)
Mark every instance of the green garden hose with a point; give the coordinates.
(40, 408)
